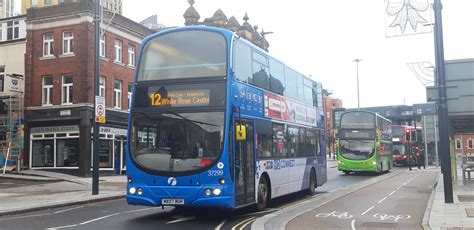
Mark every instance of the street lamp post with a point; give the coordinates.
(357, 60)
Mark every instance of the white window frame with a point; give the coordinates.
(66, 89)
(118, 95)
(129, 96)
(68, 43)
(49, 90)
(14, 25)
(2, 78)
(102, 46)
(456, 144)
(48, 45)
(131, 56)
(118, 51)
(102, 81)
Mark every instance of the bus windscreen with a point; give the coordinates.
(357, 120)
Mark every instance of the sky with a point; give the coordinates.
(321, 38)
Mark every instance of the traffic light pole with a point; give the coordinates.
(95, 140)
(442, 105)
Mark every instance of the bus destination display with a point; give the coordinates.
(180, 98)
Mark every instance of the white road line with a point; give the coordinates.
(366, 211)
(181, 219)
(21, 217)
(69, 209)
(67, 226)
(99, 218)
(392, 193)
(218, 227)
(380, 201)
(399, 187)
(353, 225)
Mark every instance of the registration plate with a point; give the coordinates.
(172, 201)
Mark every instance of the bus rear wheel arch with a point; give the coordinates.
(263, 192)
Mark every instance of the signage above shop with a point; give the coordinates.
(55, 129)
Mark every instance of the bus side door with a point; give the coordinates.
(245, 167)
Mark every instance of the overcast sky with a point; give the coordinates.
(321, 38)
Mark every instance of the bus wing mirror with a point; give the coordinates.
(240, 132)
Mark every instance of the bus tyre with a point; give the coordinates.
(312, 183)
(263, 194)
(346, 172)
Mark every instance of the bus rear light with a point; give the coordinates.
(207, 192)
(404, 156)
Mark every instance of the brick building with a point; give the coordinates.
(59, 86)
(464, 144)
(329, 105)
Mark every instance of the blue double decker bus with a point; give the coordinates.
(217, 122)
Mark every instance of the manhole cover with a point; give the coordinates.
(466, 198)
(379, 225)
(470, 212)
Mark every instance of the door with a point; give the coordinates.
(244, 167)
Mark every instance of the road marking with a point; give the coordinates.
(21, 217)
(248, 222)
(380, 201)
(399, 187)
(353, 225)
(218, 227)
(366, 211)
(181, 219)
(340, 215)
(243, 222)
(69, 209)
(395, 218)
(100, 218)
(392, 193)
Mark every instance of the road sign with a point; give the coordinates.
(100, 109)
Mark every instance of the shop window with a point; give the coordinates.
(105, 153)
(43, 153)
(67, 152)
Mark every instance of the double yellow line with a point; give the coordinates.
(241, 225)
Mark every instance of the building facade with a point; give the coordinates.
(12, 71)
(329, 105)
(7, 9)
(110, 5)
(59, 87)
(464, 144)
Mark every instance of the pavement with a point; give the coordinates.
(41, 190)
(453, 216)
(58, 190)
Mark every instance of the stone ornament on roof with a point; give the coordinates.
(219, 19)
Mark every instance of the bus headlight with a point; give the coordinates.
(130, 180)
(221, 181)
(374, 163)
(139, 191)
(217, 191)
(132, 190)
(207, 192)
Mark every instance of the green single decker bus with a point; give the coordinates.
(365, 142)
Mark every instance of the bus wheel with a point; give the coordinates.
(312, 183)
(263, 196)
(346, 172)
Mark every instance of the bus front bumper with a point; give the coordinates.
(357, 166)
